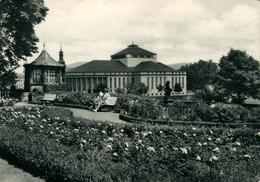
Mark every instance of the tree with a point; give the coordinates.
(177, 88)
(138, 88)
(167, 90)
(17, 36)
(160, 88)
(200, 74)
(239, 76)
(101, 87)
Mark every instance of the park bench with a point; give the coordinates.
(110, 104)
(48, 98)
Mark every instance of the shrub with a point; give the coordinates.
(82, 150)
(226, 113)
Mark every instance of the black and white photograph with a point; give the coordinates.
(129, 91)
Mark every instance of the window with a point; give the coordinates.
(148, 80)
(37, 76)
(182, 81)
(161, 80)
(52, 77)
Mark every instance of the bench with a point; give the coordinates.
(109, 104)
(48, 98)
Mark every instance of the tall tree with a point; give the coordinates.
(200, 74)
(239, 76)
(17, 36)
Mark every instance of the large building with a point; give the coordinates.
(132, 64)
(45, 73)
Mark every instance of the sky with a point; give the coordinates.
(177, 30)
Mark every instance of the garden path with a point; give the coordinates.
(9, 173)
(85, 114)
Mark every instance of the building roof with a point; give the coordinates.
(100, 66)
(44, 59)
(103, 66)
(150, 66)
(133, 50)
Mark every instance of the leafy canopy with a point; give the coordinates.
(239, 76)
(200, 74)
(17, 36)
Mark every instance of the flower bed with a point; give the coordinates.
(7, 102)
(63, 149)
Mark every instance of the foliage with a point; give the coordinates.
(81, 150)
(100, 88)
(18, 39)
(120, 90)
(226, 113)
(239, 76)
(160, 88)
(177, 88)
(200, 74)
(137, 88)
(209, 94)
(167, 90)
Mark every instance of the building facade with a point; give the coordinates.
(45, 73)
(131, 65)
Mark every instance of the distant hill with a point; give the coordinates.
(177, 66)
(74, 65)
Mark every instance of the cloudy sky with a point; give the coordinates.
(177, 30)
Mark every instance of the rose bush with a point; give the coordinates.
(82, 150)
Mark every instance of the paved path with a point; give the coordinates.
(9, 173)
(97, 116)
(86, 114)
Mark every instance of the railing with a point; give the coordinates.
(4, 94)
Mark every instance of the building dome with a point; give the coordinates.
(133, 50)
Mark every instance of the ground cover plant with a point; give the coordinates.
(65, 149)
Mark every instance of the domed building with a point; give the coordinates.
(133, 64)
(45, 73)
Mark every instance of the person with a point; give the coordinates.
(103, 100)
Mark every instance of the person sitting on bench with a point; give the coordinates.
(103, 100)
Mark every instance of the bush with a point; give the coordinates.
(82, 150)
(226, 113)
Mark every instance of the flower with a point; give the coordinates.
(151, 149)
(83, 141)
(199, 144)
(193, 128)
(258, 133)
(209, 139)
(115, 154)
(103, 131)
(198, 157)
(184, 150)
(127, 144)
(238, 143)
(233, 149)
(185, 134)
(215, 158)
(216, 149)
(109, 147)
(247, 156)
(110, 139)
